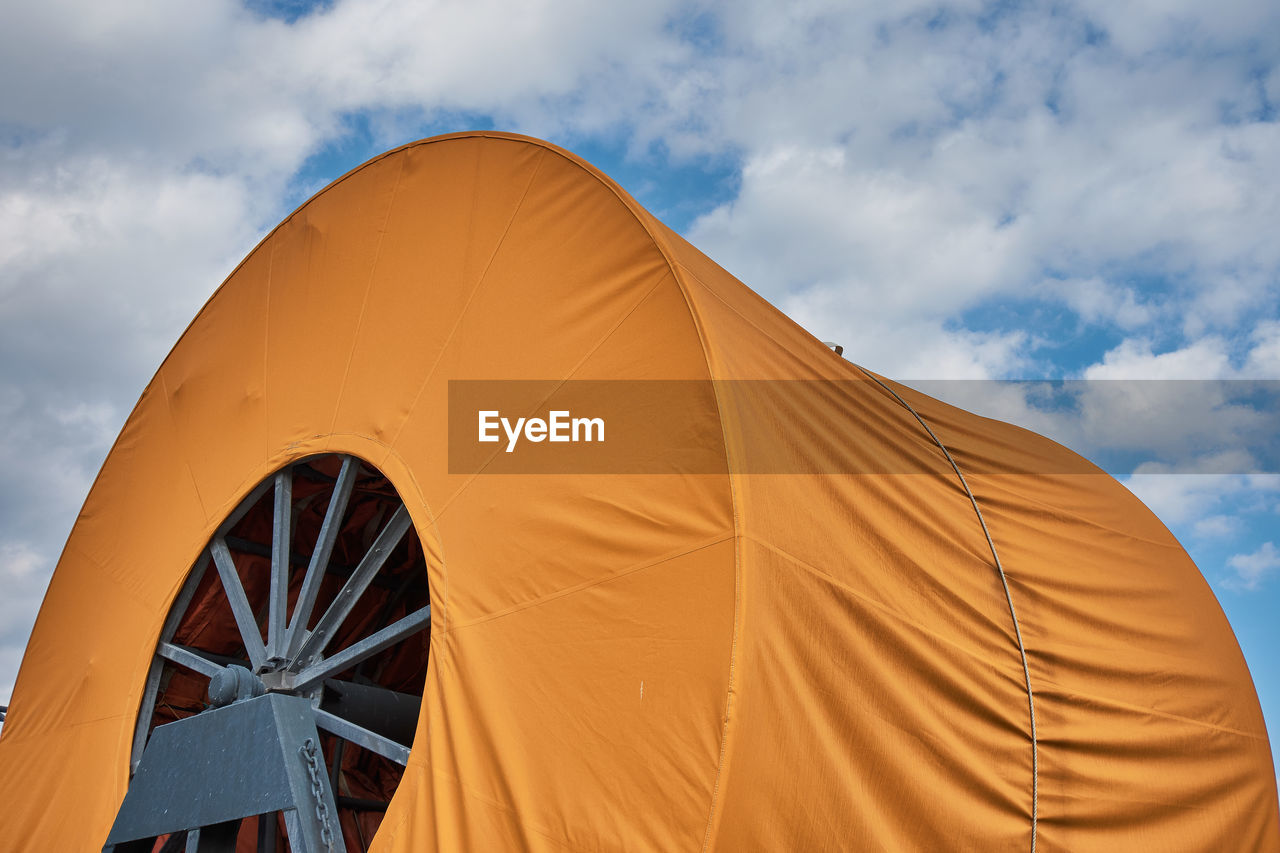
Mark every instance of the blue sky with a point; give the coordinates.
(1075, 189)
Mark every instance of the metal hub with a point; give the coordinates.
(234, 684)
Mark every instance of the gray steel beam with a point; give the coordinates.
(146, 709)
(293, 827)
(218, 838)
(296, 559)
(243, 507)
(321, 555)
(176, 843)
(152, 686)
(221, 660)
(267, 833)
(183, 601)
(245, 621)
(355, 586)
(281, 542)
(188, 659)
(360, 736)
(417, 621)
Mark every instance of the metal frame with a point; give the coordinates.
(291, 659)
(275, 767)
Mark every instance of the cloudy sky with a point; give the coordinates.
(1079, 189)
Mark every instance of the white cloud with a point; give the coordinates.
(1263, 361)
(975, 155)
(1217, 527)
(23, 575)
(1142, 26)
(1251, 569)
(1181, 498)
(1135, 359)
(1136, 399)
(1189, 498)
(897, 245)
(1097, 301)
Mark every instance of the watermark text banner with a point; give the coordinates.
(856, 426)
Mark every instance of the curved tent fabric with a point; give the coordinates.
(725, 661)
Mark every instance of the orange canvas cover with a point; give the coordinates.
(787, 651)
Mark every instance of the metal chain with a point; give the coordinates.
(308, 750)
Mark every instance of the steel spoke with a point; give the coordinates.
(385, 747)
(243, 507)
(183, 601)
(152, 687)
(146, 710)
(321, 555)
(188, 659)
(355, 586)
(293, 829)
(366, 648)
(245, 621)
(281, 530)
(267, 833)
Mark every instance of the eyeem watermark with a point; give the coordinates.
(559, 426)
(856, 426)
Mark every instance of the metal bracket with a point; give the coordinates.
(252, 757)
